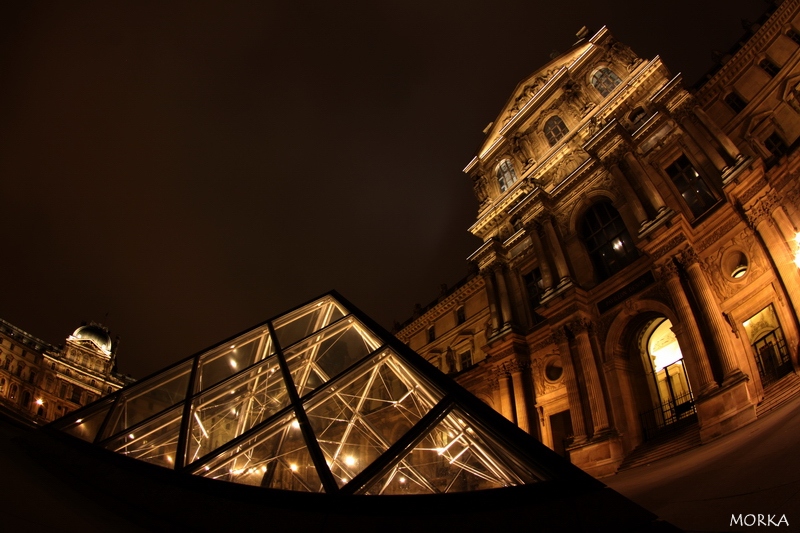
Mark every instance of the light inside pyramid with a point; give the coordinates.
(313, 400)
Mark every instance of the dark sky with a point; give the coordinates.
(181, 171)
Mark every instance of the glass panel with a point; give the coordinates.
(227, 411)
(276, 458)
(87, 425)
(358, 422)
(154, 442)
(307, 320)
(153, 396)
(227, 360)
(318, 359)
(454, 457)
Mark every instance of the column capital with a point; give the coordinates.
(580, 325)
(667, 270)
(687, 257)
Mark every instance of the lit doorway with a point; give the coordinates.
(668, 382)
(769, 345)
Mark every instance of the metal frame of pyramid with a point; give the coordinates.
(318, 399)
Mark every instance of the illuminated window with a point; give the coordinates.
(735, 102)
(691, 186)
(555, 129)
(605, 81)
(607, 240)
(769, 67)
(506, 175)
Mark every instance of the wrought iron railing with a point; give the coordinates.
(669, 416)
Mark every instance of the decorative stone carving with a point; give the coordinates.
(576, 100)
(672, 243)
(623, 55)
(723, 284)
(480, 188)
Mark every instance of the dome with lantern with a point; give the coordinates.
(98, 335)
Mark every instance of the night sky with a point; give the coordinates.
(181, 171)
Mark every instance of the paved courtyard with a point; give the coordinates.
(755, 470)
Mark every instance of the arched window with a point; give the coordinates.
(555, 129)
(26, 399)
(605, 81)
(506, 175)
(607, 240)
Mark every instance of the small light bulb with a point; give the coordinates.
(293, 467)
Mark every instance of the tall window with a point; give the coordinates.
(607, 240)
(776, 146)
(554, 129)
(605, 81)
(792, 34)
(769, 67)
(506, 175)
(691, 185)
(735, 102)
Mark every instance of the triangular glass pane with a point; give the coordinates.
(276, 457)
(224, 361)
(307, 320)
(145, 399)
(360, 417)
(455, 456)
(324, 355)
(155, 441)
(223, 413)
(86, 425)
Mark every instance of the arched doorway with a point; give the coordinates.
(669, 386)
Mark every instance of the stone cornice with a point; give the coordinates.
(426, 319)
(747, 54)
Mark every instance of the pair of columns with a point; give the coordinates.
(637, 178)
(699, 367)
(552, 261)
(511, 393)
(705, 133)
(580, 329)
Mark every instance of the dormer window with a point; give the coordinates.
(605, 81)
(555, 129)
(506, 175)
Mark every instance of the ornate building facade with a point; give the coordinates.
(639, 238)
(40, 382)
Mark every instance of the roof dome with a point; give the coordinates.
(97, 334)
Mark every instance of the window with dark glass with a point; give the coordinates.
(607, 240)
(793, 35)
(735, 102)
(554, 129)
(431, 334)
(776, 146)
(691, 186)
(506, 175)
(461, 315)
(769, 67)
(605, 81)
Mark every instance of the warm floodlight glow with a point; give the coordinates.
(349, 460)
(295, 424)
(293, 467)
(39, 401)
(233, 363)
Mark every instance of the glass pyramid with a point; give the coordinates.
(320, 399)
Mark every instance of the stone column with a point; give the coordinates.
(506, 405)
(692, 347)
(720, 330)
(520, 394)
(492, 297)
(571, 381)
(695, 136)
(716, 132)
(641, 177)
(580, 328)
(557, 253)
(761, 219)
(502, 293)
(630, 194)
(544, 260)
